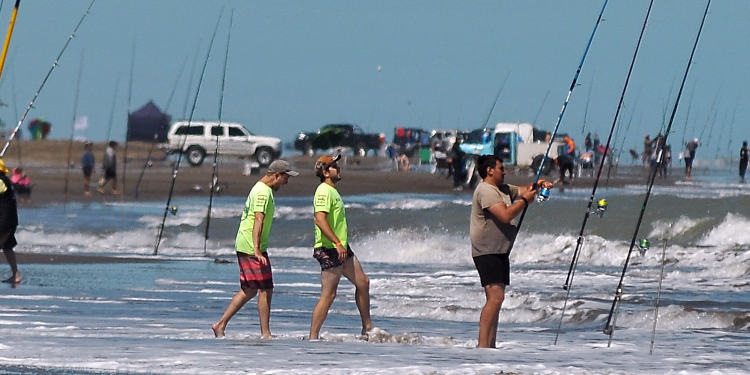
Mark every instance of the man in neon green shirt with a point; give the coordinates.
(251, 245)
(332, 249)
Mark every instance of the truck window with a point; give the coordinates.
(236, 132)
(217, 131)
(189, 130)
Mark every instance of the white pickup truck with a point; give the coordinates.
(198, 139)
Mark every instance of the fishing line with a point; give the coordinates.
(44, 81)
(541, 106)
(588, 99)
(176, 167)
(658, 292)
(602, 203)
(609, 327)
(72, 131)
(494, 103)
(562, 110)
(214, 174)
(148, 162)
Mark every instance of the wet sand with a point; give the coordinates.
(45, 163)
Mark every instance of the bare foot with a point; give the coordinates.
(218, 330)
(266, 337)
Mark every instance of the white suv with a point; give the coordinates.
(199, 139)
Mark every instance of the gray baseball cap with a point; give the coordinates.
(281, 166)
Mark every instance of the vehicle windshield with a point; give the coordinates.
(477, 136)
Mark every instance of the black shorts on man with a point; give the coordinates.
(493, 268)
(329, 257)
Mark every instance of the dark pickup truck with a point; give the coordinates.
(339, 135)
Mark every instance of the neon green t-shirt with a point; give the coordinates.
(327, 199)
(260, 199)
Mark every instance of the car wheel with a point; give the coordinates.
(195, 155)
(264, 156)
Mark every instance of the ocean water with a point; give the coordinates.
(155, 317)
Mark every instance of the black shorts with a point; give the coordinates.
(8, 238)
(688, 162)
(329, 257)
(110, 174)
(493, 269)
(87, 171)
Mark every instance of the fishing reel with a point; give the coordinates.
(173, 209)
(601, 207)
(643, 246)
(543, 195)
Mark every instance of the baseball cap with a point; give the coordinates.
(2, 167)
(281, 166)
(325, 161)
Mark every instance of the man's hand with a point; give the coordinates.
(262, 259)
(342, 253)
(545, 184)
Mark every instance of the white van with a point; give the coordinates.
(198, 138)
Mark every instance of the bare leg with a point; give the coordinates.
(264, 312)
(239, 300)
(114, 186)
(353, 271)
(495, 294)
(15, 277)
(329, 282)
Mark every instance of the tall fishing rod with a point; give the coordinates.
(127, 123)
(176, 167)
(214, 173)
(148, 162)
(44, 81)
(586, 111)
(609, 327)
(494, 103)
(579, 243)
(564, 106)
(731, 129)
(541, 106)
(72, 131)
(687, 116)
(8, 35)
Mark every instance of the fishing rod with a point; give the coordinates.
(731, 130)
(609, 327)
(494, 103)
(586, 111)
(214, 173)
(190, 85)
(541, 106)
(687, 116)
(44, 81)
(127, 123)
(602, 204)
(148, 162)
(72, 131)
(176, 167)
(562, 110)
(8, 35)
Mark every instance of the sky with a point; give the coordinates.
(297, 65)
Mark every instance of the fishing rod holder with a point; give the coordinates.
(643, 246)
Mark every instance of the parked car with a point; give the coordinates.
(198, 139)
(409, 140)
(338, 135)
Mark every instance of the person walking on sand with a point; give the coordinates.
(8, 223)
(492, 230)
(251, 246)
(87, 165)
(332, 249)
(743, 161)
(110, 169)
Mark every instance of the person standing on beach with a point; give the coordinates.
(743, 161)
(110, 169)
(689, 156)
(8, 223)
(332, 249)
(492, 230)
(251, 245)
(87, 164)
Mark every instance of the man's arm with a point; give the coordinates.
(321, 220)
(257, 230)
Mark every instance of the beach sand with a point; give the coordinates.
(45, 163)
